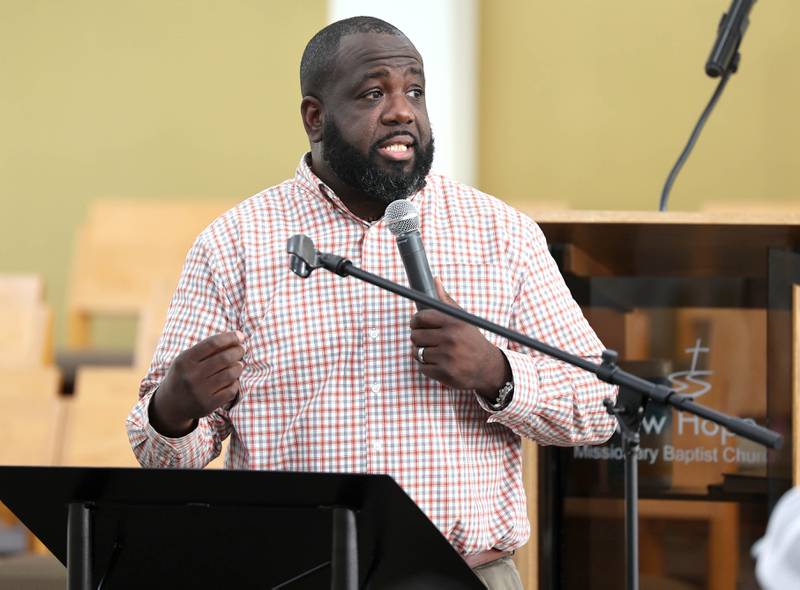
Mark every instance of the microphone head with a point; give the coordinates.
(402, 217)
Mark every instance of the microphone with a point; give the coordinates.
(722, 63)
(724, 56)
(403, 220)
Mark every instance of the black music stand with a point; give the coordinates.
(185, 528)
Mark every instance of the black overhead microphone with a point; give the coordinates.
(722, 63)
(403, 220)
(724, 56)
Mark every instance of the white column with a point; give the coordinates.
(446, 34)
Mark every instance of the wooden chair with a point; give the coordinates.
(104, 396)
(95, 434)
(25, 322)
(31, 416)
(31, 424)
(21, 287)
(31, 412)
(152, 317)
(125, 247)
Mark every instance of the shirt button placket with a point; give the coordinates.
(371, 251)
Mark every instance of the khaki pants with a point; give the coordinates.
(500, 574)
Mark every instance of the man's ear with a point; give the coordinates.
(311, 112)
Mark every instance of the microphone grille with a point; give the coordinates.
(402, 217)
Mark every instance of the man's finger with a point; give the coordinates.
(227, 394)
(224, 398)
(426, 337)
(220, 360)
(214, 344)
(429, 355)
(224, 378)
(428, 318)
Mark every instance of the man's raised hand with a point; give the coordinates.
(200, 380)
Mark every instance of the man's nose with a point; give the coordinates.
(398, 111)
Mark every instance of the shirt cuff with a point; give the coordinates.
(525, 397)
(166, 444)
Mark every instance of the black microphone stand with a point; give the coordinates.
(635, 392)
(629, 412)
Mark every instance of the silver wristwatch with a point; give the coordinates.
(503, 396)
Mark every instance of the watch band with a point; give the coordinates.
(503, 396)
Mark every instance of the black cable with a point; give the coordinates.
(112, 561)
(292, 580)
(692, 140)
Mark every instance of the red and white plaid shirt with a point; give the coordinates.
(329, 384)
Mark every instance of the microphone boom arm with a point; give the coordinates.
(300, 247)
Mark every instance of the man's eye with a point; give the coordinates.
(373, 94)
(416, 92)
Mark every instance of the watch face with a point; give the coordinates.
(503, 395)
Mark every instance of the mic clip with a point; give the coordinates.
(304, 258)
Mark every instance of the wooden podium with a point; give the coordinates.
(709, 304)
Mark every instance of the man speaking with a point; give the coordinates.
(339, 376)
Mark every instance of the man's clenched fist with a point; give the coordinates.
(200, 380)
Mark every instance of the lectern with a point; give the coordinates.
(708, 303)
(169, 528)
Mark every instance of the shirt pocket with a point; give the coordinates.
(482, 289)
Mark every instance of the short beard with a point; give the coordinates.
(363, 173)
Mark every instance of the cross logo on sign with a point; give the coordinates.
(691, 382)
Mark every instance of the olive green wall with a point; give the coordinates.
(582, 102)
(146, 99)
(590, 103)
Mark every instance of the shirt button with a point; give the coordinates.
(377, 446)
(372, 333)
(375, 387)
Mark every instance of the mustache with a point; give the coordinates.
(375, 146)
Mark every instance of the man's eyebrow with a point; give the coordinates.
(384, 73)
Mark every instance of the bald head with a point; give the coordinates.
(318, 63)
